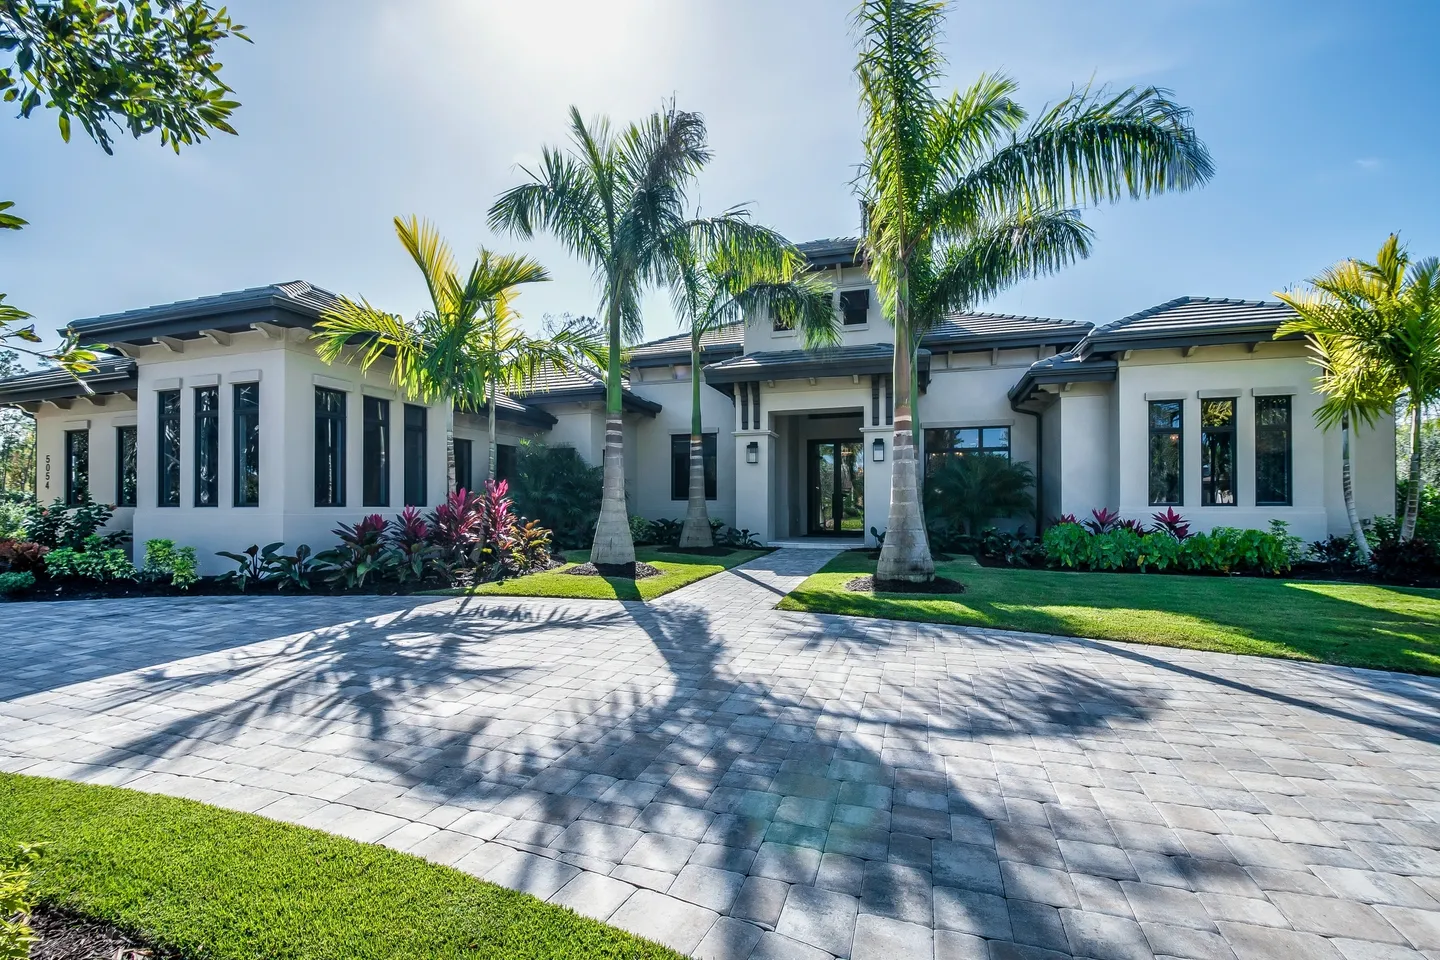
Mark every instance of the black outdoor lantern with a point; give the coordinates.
(752, 452)
(878, 450)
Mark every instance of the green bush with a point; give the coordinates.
(555, 486)
(1222, 550)
(60, 526)
(15, 582)
(94, 562)
(13, 510)
(163, 558)
(973, 490)
(16, 902)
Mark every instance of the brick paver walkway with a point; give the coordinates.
(740, 782)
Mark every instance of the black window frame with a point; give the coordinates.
(375, 452)
(330, 426)
(414, 450)
(1159, 433)
(680, 465)
(245, 444)
(1267, 430)
(77, 467)
(127, 465)
(464, 464)
(168, 448)
(1214, 440)
(206, 481)
(860, 313)
(938, 449)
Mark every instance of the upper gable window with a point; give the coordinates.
(855, 307)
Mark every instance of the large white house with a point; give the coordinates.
(214, 423)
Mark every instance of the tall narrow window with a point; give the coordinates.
(464, 465)
(680, 465)
(329, 447)
(375, 443)
(168, 468)
(855, 307)
(77, 467)
(415, 426)
(127, 474)
(247, 444)
(1217, 453)
(207, 446)
(1166, 461)
(506, 461)
(1274, 485)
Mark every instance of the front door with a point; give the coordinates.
(837, 488)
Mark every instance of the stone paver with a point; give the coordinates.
(743, 783)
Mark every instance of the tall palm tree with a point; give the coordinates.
(618, 203)
(449, 351)
(1374, 331)
(752, 271)
(964, 197)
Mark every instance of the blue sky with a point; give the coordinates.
(1320, 117)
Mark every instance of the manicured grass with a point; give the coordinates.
(216, 884)
(679, 569)
(1390, 628)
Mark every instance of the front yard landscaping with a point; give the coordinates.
(676, 570)
(206, 882)
(1361, 625)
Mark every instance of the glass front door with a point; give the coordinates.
(837, 488)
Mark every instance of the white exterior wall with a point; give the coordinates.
(760, 334)
(648, 482)
(1080, 472)
(101, 420)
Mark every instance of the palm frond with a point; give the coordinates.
(432, 255)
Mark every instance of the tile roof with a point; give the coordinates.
(111, 374)
(580, 380)
(1195, 314)
(787, 364)
(1002, 328)
(831, 250)
(294, 296)
(729, 337)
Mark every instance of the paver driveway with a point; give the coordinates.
(740, 782)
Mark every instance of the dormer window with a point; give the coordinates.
(855, 307)
(778, 323)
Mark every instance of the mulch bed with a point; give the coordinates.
(67, 936)
(869, 584)
(627, 571)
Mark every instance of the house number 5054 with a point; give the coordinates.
(47, 471)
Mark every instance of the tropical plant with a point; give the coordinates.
(92, 561)
(1172, 523)
(977, 489)
(1102, 520)
(164, 559)
(557, 487)
(618, 203)
(532, 545)
(249, 564)
(441, 355)
(17, 899)
(455, 525)
(287, 570)
(752, 272)
(360, 554)
(962, 199)
(19, 555)
(113, 66)
(59, 525)
(409, 537)
(1374, 331)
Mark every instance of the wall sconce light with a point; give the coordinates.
(752, 452)
(878, 450)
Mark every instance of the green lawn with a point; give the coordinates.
(220, 885)
(1391, 628)
(679, 570)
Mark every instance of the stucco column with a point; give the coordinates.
(877, 481)
(755, 483)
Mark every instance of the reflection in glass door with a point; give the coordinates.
(837, 488)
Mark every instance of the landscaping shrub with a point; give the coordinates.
(164, 559)
(555, 486)
(361, 553)
(20, 556)
(287, 571)
(1106, 542)
(968, 492)
(455, 525)
(13, 509)
(249, 565)
(1401, 561)
(12, 583)
(16, 902)
(642, 531)
(741, 538)
(93, 562)
(60, 526)
(1011, 549)
(415, 555)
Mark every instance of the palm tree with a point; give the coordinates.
(1374, 331)
(618, 203)
(752, 271)
(448, 352)
(963, 198)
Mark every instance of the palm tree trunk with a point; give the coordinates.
(1412, 489)
(492, 448)
(696, 532)
(1357, 530)
(449, 446)
(905, 554)
(613, 543)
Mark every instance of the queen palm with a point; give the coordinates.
(1374, 331)
(751, 271)
(618, 203)
(462, 348)
(963, 196)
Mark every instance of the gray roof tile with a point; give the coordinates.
(729, 337)
(297, 296)
(1191, 314)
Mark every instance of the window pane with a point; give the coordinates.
(995, 439)
(855, 306)
(329, 448)
(708, 452)
(127, 471)
(415, 442)
(375, 453)
(247, 444)
(679, 466)
(1165, 459)
(1217, 453)
(77, 467)
(168, 487)
(464, 478)
(1273, 470)
(207, 446)
(967, 438)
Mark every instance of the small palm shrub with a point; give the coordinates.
(970, 491)
(555, 486)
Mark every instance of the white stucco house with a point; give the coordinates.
(213, 422)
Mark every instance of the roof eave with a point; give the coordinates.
(707, 354)
(964, 344)
(807, 368)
